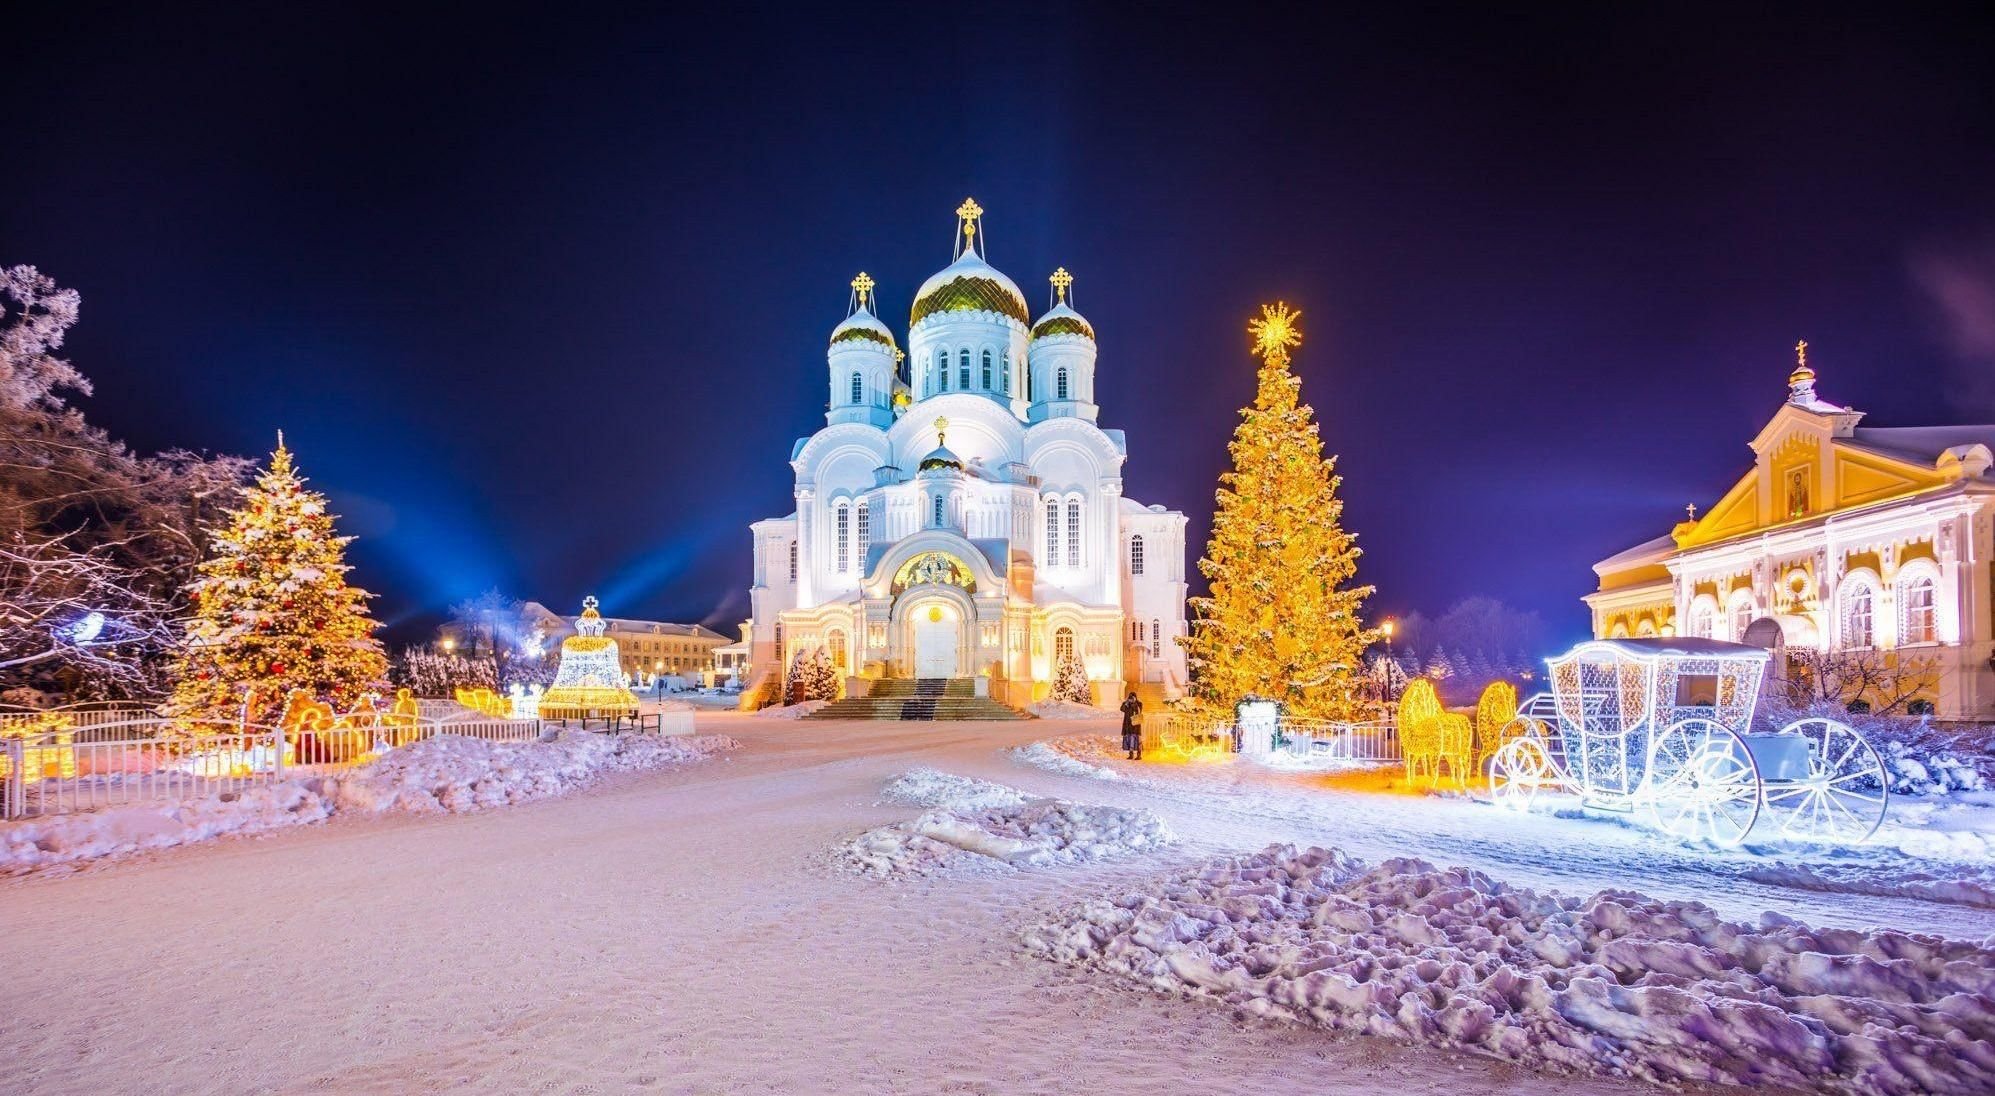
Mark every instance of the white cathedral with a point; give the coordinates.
(967, 520)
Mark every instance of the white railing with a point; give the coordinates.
(112, 764)
(1327, 741)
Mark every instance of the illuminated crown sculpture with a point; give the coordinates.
(590, 681)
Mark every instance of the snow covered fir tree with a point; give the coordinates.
(273, 611)
(1282, 621)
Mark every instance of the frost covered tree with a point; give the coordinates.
(101, 543)
(1070, 682)
(429, 673)
(273, 611)
(812, 676)
(1283, 618)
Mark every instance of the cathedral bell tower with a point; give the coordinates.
(863, 362)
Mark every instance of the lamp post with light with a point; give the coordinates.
(1391, 692)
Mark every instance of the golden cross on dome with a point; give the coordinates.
(863, 285)
(1801, 354)
(1061, 281)
(589, 604)
(941, 429)
(968, 212)
(1274, 330)
(899, 355)
(1690, 508)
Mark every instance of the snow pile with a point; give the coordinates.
(1044, 755)
(791, 711)
(935, 788)
(1618, 984)
(453, 774)
(119, 831)
(1916, 772)
(445, 773)
(963, 834)
(1067, 709)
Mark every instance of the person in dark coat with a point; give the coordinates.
(1132, 728)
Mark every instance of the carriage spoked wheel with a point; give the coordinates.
(1702, 783)
(1518, 770)
(1842, 797)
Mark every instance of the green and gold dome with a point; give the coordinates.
(1061, 319)
(862, 325)
(969, 284)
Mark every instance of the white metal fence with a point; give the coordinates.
(111, 763)
(1375, 741)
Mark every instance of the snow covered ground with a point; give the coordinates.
(684, 930)
(981, 826)
(446, 774)
(1617, 984)
(1939, 850)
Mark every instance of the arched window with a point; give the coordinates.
(1741, 616)
(1645, 629)
(844, 537)
(1156, 639)
(938, 374)
(1135, 555)
(1052, 532)
(1004, 373)
(1619, 631)
(942, 357)
(1703, 617)
(1918, 619)
(938, 511)
(858, 389)
(1073, 532)
(1135, 631)
(865, 538)
(963, 362)
(1859, 606)
(1921, 706)
(1060, 384)
(793, 561)
(1063, 645)
(837, 643)
(987, 370)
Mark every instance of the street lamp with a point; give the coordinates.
(449, 644)
(1388, 627)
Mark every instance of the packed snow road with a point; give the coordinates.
(689, 931)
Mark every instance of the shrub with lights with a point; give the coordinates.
(1070, 682)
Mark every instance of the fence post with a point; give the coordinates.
(16, 797)
(276, 754)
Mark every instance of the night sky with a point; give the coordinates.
(541, 298)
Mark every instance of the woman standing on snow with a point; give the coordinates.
(1132, 728)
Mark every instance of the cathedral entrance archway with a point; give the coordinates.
(937, 632)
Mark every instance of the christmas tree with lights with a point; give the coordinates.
(1283, 618)
(273, 611)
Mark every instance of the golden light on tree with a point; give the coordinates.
(1283, 620)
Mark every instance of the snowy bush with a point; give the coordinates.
(812, 676)
(1618, 984)
(1922, 759)
(427, 673)
(1070, 682)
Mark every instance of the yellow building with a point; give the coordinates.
(1841, 538)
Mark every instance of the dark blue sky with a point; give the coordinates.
(541, 298)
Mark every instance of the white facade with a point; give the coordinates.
(965, 517)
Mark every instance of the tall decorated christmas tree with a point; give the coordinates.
(1283, 619)
(273, 611)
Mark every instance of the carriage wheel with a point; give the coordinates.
(1517, 771)
(1844, 795)
(1701, 784)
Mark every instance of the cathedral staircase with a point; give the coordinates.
(929, 698)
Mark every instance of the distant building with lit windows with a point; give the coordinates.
(1841, 537)
(961, 513)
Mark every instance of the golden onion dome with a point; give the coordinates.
(1061, 319)
(969, 285)
(865, 327)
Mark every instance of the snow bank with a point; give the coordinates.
(935, 788)
(1067, 709)
(964, 834)
(1044, 755)
(791, 711)
(120, 831)
(1921, 758)
(447, 773)
(1617, 984)
(452, 774)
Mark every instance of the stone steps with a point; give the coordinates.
(935, 699)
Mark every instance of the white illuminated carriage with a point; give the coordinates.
(965, 518)
(1664, 726)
